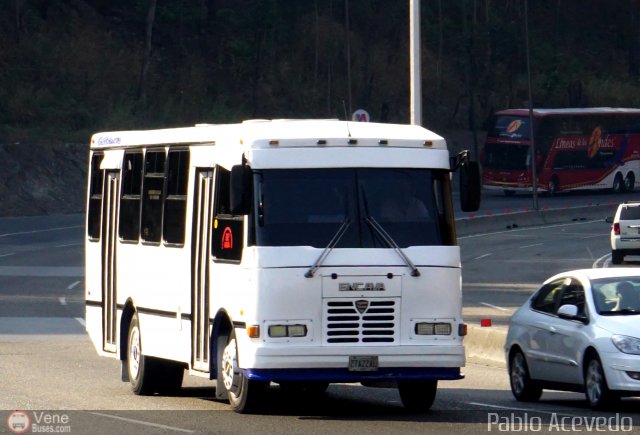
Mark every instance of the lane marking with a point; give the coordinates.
(483, 256)
(7, 255)
(494, 306)
(145, 423)
(531, 246)
(40, 231)
(67, 245)
(81, 321)
(511, 408)
(73, 285)
(501, 285)
(595, 263)
(63, 300)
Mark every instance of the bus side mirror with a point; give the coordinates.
(241, 190)
(470, 186)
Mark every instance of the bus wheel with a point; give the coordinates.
(244, 395)
(618, 184)
(417, 396)
(142, 369)
(553, 185)
(629, 182)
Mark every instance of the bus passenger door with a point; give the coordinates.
(110, 206)
(201, 243)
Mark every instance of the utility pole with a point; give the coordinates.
(534, 170)
(415, 71)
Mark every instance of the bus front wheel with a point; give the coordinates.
(417, 396)
(618, 184)
(243, 394)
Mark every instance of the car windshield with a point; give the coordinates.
(617, 296)
(306, 207)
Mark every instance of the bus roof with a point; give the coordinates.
(255, 134)
(588, 111)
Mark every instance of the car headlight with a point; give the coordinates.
(626, 344)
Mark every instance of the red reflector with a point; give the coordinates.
(616, 229)
(485, 322)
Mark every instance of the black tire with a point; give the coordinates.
(244, 396)
(149, 375)
(142, 370)
(617, 257)
(417, 396)
(618, 184)
(523, 388)
(595, 386)
(553, 186)
(629, 182)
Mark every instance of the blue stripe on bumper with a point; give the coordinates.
(343, 375)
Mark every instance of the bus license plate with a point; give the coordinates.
(363, 363)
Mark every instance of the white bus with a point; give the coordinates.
(292, 252)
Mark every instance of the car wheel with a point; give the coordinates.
(523, 387)
(618, 184)
(629, 182)
(417, 396)
(616, 257)
(244, 395)
(596, 390)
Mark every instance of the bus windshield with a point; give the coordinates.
(508, 157)
(306, 207)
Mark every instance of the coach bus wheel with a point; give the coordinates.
(244, 395)
(142, 370)
(618, 184)
(417, 396)
(629, 182)
(553, 185)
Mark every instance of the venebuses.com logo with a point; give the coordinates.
(39, 422)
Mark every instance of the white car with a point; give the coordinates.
(580, 331)
(625, 231)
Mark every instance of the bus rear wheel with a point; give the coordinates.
(244, 395)
(417, 396)
(629, 182)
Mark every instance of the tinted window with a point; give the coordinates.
(129, 229)
(307, 207)
(507, 156)
(228, 231)
(630, 213)
(546, 298)
(94, 209)
(176, 200)
(153, 196)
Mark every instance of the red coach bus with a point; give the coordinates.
(591, 148)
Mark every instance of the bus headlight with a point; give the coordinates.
(281, 331)
(425, 328)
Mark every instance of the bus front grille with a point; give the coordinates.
(366, 321)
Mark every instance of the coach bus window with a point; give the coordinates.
(95, 198)
(228, 230)
(175, 205)
(130, 197)
(152, 196)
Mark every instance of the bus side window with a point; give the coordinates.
(175, 205)
(228, 230)
(129, 229)
(95, 198)
(153, 196)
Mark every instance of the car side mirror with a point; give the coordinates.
(609, 219)
(241, 190)
(570, 312)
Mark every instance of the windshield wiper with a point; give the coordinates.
(391, 243)
(332, 244)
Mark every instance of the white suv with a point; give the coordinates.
(625, 231)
